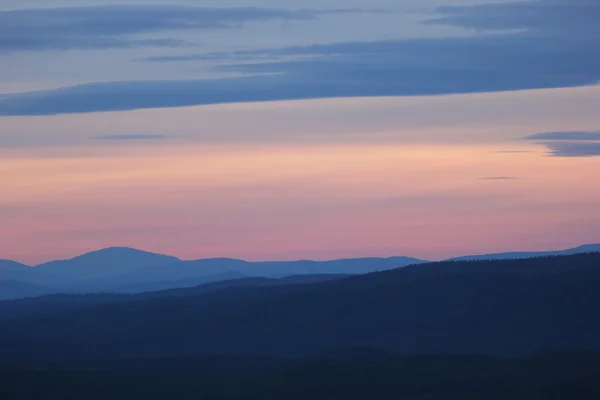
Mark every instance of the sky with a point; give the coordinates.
(278, 130)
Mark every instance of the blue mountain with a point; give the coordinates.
(588, 248)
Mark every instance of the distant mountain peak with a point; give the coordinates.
(130, 269)
(589, 247)
(586, 248)
(116, 250)
(104, 263)
(12, 264)
(117, 253)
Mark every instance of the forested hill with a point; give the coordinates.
(503, 307)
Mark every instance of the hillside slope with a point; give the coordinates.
(507, 307)
(53, 303)
(587, 248)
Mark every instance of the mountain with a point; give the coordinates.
(15, 290)
(9, 265)
(197, 271)
(588, 248)
(256, 282)
(59, 302)
(171, 275)
(13, 270)
(502, 307)
(17, 272)
(225, 279)
(127, 270)
(140, 285)
(103, 264)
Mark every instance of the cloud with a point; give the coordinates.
(572, 136)
(130, 137)
(512, 151)
(480, 63)
(115, 26)
(569, 144)
(574, 149)
(500, 178)
(541, 17)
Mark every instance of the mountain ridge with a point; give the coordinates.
(586, 248)
(12, 308)
(10, 290)
(12, 264)
(129, 270)
(592, 247)
(500, 307)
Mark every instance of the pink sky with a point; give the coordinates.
(317, 179)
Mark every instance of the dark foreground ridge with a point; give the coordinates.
(47, 304)
(344, 376)
(507, 308)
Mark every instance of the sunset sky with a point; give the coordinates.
(277, 130)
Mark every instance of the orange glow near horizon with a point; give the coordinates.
(395, 191)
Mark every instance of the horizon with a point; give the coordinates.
(302, 259)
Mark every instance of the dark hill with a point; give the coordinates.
(127, 270)
(103, 263)
(504, 307)
(53, 303)
(192, 273)
(14, 271)
(586, 248)
(14, 290)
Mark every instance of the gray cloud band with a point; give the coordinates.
(555, 46)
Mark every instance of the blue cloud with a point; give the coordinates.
(491, 62)
(130, 137)
(571, 136)
(574, 18)
(115, 26)
(569, 144)
(574, 149)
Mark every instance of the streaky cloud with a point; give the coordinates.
(569, 143)
(431, 66)
(547, 17)
(512, 151)
(130, 137)
(131, 95)
(113, 26)
(573, 149)
(571, 136)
